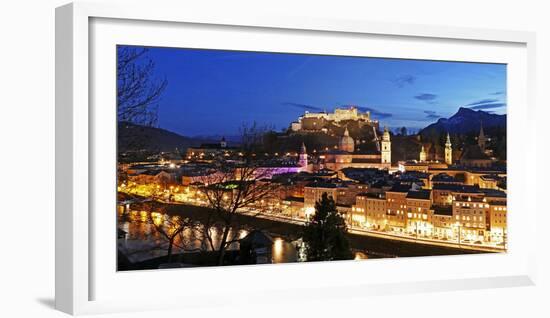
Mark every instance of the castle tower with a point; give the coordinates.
(302, 162)
(386, 146)
(422, 154)
(223, 143)
(448, 151)
(346, 142)
(481, 140)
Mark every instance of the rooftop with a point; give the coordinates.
(326, 185)
(419, 194)
(365, 160)
(443, 177)
(155, 172)
(415, 174)
(456, 188)
(380, 196)
(467, 198)
(399, 187)
(415, 163)
(494, 193)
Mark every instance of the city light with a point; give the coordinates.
(443, 187)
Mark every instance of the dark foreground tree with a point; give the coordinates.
(325, 233)
(138, 90)
(235, 186)
(138, 94)
(171, 230)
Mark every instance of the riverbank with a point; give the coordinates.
(180, 260)
(375, 247)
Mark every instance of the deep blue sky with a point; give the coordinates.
(214, 92)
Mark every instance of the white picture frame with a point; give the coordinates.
(77, 174)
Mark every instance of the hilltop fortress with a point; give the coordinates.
(349, 152)
(321, 121)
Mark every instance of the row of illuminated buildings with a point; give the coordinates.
(426, 201)
(444, 212)
(418, 204)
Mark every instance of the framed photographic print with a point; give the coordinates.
(283, 157)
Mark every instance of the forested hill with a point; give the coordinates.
(132, 137)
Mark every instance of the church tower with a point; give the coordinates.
(386, 146)
(481, 138)
(223, 143)
(448, 151)
(302, 162)
(422, 154)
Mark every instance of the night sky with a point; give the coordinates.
(213, 92)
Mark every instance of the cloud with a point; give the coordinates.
(430, 114)
(299, 68)
(489, 106)
(498, 93)
(426, 97)
(303, 106)
(374, 112)
(483, 101)
(403, 80)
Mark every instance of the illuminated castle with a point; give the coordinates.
(319, 121)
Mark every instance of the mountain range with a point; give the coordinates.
(465, 121)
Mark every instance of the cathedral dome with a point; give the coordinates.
(346, 142)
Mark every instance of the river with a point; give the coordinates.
(142, 241)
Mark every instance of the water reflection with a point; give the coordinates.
(142, 240)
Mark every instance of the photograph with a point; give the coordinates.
(228, 157)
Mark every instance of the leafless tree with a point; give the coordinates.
(138, 90)
(171, 228)
(234, 187)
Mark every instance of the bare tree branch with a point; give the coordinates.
(233, 187)
(138, 91)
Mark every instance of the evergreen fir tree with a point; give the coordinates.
(325, 233)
